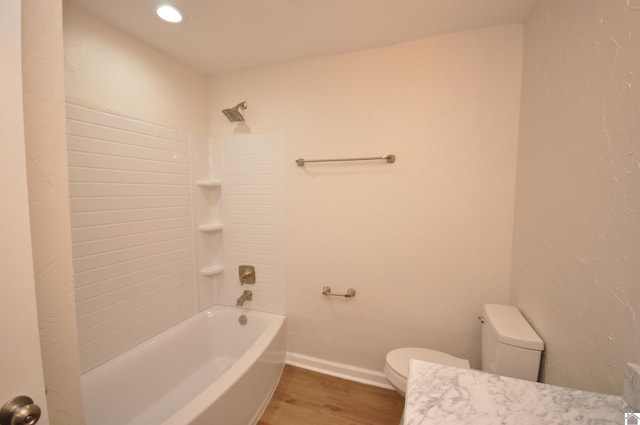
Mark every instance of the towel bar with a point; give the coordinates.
(389, 158)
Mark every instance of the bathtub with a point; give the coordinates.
(207, 370)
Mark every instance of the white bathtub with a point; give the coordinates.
(207, 370)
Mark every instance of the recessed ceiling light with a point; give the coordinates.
(169, 13)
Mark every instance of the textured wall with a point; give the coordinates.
(108, 70)
(576, 258)
(424, 241)
(45, 143)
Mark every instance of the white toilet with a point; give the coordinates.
(510, 347)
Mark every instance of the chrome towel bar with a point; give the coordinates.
(389, 158)
(350, 292)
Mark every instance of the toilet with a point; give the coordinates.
(510, 347)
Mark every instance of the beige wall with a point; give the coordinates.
(108, 70)
(576, 260)
(424, 241)
(45, 141)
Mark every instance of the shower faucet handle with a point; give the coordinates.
(247, 274)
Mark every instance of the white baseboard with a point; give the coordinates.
(340, 370)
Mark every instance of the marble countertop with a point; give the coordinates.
(439, 395)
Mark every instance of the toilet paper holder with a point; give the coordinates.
(326, 290)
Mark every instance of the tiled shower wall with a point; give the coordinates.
(131, 220)
(253, 216)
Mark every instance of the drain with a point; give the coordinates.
(242, 319)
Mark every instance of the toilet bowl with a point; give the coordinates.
(396, 367)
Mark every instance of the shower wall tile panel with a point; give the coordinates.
(132, 234)
(253, 216)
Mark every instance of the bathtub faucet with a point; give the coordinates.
(246, 296)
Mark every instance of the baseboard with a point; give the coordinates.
(340, 370)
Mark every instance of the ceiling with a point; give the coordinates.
(219, 36)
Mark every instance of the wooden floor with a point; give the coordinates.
(304, 397)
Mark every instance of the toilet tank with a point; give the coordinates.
(510, 346)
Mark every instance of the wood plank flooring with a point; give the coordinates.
(304, 397)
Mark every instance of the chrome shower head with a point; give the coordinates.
(233, 114)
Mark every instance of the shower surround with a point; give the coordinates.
(148, 236)
(132, 231)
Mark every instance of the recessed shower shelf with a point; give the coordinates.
(212, 270)
(209, 184)
(210, 228)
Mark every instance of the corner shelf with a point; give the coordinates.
(210, 228)
(209, 184)
(215, 269)
(212, 270)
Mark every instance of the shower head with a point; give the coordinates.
(233, 114)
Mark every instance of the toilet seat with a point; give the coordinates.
(396, 367)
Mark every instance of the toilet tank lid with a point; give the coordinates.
(511, 327)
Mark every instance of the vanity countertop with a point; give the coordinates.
(439, 395)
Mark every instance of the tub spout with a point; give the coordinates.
(246, 296)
